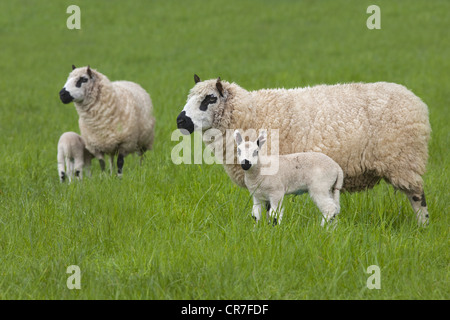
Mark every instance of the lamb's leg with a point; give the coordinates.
(61, 168)
(69, 169)
(276, 211)
(419, 205)
(79, 164)
(256, 211)
(326, 205)
(120, 162)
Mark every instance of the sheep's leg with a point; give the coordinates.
(276, 211)
(419, 205)
(120, 162)
(87, 166)
(256, 211)
(111, 163)
(101, 160)
(326, 205)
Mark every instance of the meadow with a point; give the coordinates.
(167, 231)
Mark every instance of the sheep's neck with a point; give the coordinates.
(87, 110)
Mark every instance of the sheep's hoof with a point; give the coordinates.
(274, 222)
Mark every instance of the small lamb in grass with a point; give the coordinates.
(297, 173)
(73, 153)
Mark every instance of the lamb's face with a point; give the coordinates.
(77, 85)
(248, 152)
(203, 100)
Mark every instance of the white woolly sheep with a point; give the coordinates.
(72, 156)
(115, 118)
(297, 173)
(373, 131)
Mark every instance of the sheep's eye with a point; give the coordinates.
(81, 81)
(209, 99)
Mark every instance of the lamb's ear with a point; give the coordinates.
(237, 137)
(219, 86)
(261, 139)
(73, 67)
(196, 78)
(89, 71)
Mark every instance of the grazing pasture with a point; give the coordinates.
(167, 231)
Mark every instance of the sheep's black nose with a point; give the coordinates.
(246, 164)
(65, 96)
(184, 122)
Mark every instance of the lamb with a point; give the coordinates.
(372, 130)
(297, 173)
(72, 156)
(115, 118)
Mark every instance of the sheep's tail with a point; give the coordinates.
(338, 186)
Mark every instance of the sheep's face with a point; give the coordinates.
(202, 103)
(248, 152)
(78, 85)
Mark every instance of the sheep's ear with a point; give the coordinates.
(261, 139)
(196, 78)
(219, 86)
(73, 67)
(237, 137)
(89, 71)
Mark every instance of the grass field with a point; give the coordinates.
(169, 231)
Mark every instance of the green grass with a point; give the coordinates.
(184, 232)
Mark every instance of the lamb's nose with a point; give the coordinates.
(246, 164)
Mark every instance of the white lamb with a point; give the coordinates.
(115, 118)
(73, 154)
(298, 173)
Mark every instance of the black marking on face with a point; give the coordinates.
(424, 202)
(209, 99)
(65, 96)
(416, 198)
(184, 122)
(81, 81)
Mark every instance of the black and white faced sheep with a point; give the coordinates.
(115, 118)
(373, 131)
(296, 173)
(72, 156)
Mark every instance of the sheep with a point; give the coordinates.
(115, 118)
(297, 173)
(372, 130)
(72, 156)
